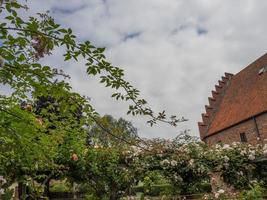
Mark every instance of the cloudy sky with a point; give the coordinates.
(174, 51)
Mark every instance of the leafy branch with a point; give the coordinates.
(46, 34)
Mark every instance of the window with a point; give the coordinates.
(262, 70)
(243, 137)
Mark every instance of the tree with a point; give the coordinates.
(121, 128)
(34, 140)
(109, 167)
(112, 171)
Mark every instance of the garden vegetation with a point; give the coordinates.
(49, 132)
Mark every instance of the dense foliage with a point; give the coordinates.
(48, 131)
(43, 123)
(98, 133)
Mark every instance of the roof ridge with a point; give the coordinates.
(244, 97)
(214, 103)
(251, 64)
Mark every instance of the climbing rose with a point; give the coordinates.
(74, 157)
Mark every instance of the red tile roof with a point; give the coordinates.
(244, 97)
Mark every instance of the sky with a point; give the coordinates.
(173, 51)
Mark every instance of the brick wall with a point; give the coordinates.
(248, 127)
(262, 126)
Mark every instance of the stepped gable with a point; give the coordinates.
(240, 97)
(214, 102)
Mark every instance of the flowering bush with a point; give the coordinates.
(190, 164)
(235, 163)
(181, 163)
(37, 141)
(111, 172)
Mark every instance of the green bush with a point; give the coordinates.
(255, 192)
(142, 196)
(156, 190)
(85, 188)
(8, 195)
(60, 187)
(93, 197)
(199, 188)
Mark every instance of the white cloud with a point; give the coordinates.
(175, 51)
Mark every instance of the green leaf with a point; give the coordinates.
(21, 58)
(9, 17)
(67, 56)
(101, 50)
(63, 30)
(15, 4)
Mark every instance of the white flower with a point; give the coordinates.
(240, 173)
(160, 155)
(234, 144)
(253, 181)
(252, 152)
(178, 178)
(191, 162)
(221, 191)
(125, 169)
(243, 152)
(226, 147)
(206, 196)
(2, 191)
(226, 158)
(216, 195)
(251, 157)
(2, 180)
(173, 163)
(165, 162)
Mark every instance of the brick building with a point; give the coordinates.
(237, 110)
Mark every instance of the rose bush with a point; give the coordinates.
(190, 164)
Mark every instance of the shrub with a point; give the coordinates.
(255, 192)
(60, 187)
(156, 190)
(7, 195)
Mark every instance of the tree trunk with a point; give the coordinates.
(47, 189)
(113, 192)
(22, 191)
(113, 195)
